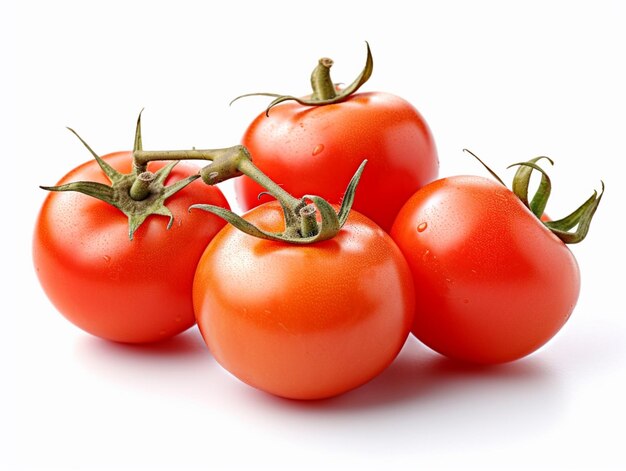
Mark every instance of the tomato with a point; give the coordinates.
(112, 287)
(304, 322)
(315, 149)
(492, 283)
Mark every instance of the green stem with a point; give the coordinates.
(226, 163)
(323, 86)
(252, 171)
(140, 189)
(324, 91)
(308, 222)
(141, 193)
(301, 218)
(142, 157)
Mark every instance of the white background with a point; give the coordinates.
(508, 80)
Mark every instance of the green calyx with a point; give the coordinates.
(325, 92)
(301, 214)
(571, 229)
(137, 194)
(301, 222)
(142, 193)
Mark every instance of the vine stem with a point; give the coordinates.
(142, 157)
(301, 217)
(248, 168)
(141, 193)
(227, 162)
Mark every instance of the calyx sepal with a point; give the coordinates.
(325, 92)
(122, 189)
(301, 222)
(579, 220)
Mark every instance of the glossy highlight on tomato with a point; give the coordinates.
(119, 289)
(315, 149)
(492, 283)
(304, 322)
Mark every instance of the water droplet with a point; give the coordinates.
(106, 258)
(318, 149)
(422, 227)
(465, 301)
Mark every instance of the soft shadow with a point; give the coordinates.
(421, 375)
(425, 400)
(178, 367)
(183, 346)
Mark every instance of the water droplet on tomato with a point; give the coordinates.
(106, 258)
(422, 227)
(465, 301)
(318, 149)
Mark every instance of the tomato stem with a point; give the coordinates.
(305, 222)
(324, 90)
(301, 217)
(142, 157)
(580, 218)
(277, 191)
(140, 188)
(142, 193)
(301, 224)
(228, 162)
(136, 194)
(309, 226)
(323, 86)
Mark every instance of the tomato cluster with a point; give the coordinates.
(307, 298)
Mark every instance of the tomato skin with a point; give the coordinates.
(492, 283)
(304, 322)
(316, 149)
(126, 291)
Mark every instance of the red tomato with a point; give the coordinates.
(315, 149)
(108, 285)
(304, 322)
(492, 283)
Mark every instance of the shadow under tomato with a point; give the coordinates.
(187, 344)
(423, 400)
(419, 375)
(178, 368)
(179, 360)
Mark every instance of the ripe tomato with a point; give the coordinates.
(304, 322)
(492, 283)
(315, 149)
(108, 285)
